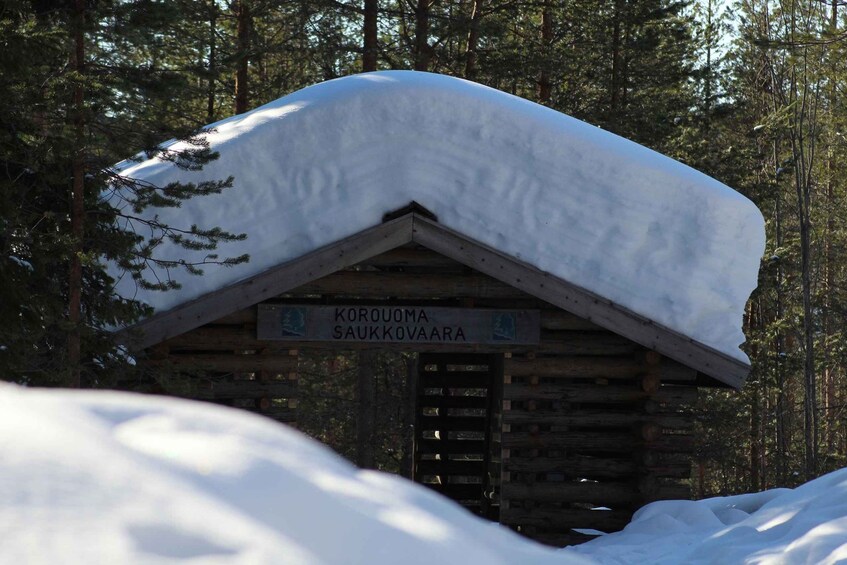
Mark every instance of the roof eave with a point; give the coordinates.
(418, 229)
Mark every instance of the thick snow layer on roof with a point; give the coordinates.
(590, 207)
(804, 525)
(110, 478)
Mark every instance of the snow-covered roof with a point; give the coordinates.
(580, 203)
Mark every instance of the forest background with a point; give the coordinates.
(753, 93)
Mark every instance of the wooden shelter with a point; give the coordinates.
(537, 403)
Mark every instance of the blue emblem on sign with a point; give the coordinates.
(504, 327)
(293, 321)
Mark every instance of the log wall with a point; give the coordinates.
(591, 426)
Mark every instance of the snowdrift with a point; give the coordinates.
(96, 477)
(599, 211)
(791, 526)
(103, 477)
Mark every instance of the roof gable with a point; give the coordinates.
(414, 228)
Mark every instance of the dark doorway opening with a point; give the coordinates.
(457, 424)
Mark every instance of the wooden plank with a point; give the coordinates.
(566, 518)
(575, 367)
(593, 394)
(233, 363)
(452, 467)
(600, 494)
(451, 446)
(410, 257)
(443, 402)
(378, 284)
(244, 389)
(585, 442)
(595, 418)
(453, 423)
(272, 282)
(458, 491)
(584, 393)
(581, 302)
(574, 466)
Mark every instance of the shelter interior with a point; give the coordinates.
(574, 431)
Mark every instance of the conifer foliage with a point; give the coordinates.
(83, 85)
(753, 93)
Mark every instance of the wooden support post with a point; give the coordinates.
(366, 421)
(407, 467)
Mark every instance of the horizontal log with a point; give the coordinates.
(244, 389)
(594, 418)
(458, 491)
(581, 441)
(573, 467)
(566, 518)
(599, 394)
(453, 423)
(594, 442)
(600, 494)
(439, 401)
(451, 446)
(374, 284)
(574, 367)
(594, 343)
(451, 467)
(580, 393)
(455, 380)
(233, 363)
(577, 467)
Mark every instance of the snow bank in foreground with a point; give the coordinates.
(804, 525)
(94, 477)
(592, 208)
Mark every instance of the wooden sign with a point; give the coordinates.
(398, 324)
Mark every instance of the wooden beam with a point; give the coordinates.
(244, 389)
(229, 363)
(566, 518)
(570, 367)
(270, 283)
(609, 494)
(380, 284)
(581, 302)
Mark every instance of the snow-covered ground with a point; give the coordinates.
(114, 478)
(104, 477)
(616, 218)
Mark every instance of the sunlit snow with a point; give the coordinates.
(599, 211)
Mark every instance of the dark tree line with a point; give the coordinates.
(751, 92)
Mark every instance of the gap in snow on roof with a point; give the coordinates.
(585, 205)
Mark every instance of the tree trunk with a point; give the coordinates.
(243, 61)
(369, 31)
(74, 343)
(545, 86)
(210, 85)
(614, 87)
(471, 54)
(366, 418)
(422, 35)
